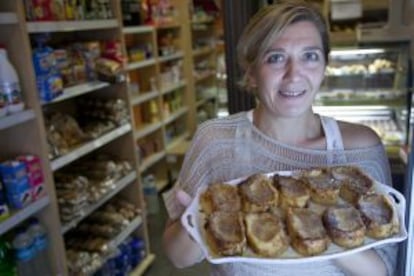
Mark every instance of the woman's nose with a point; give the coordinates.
(292, 69)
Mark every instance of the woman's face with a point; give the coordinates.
(291, 71)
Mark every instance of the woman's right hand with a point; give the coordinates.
(181, 249)
(184, 198)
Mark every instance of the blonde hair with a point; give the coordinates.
(265, 27)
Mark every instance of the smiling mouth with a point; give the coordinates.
(296, 93)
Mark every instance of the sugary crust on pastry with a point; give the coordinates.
(355, 183)
(344, 225)
(258, 194)
(225, 233)
(266, 234)
(220, 197)
(306, 211)
(324, 189)
(379, 216)
(306, 231)
(293, 192)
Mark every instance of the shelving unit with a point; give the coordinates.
(79, 90)
(164, 105)
(23, 214)
(29, 125)
(158, 87)
(16, 119)
(89, 147)
(204, 39)
(345, 32)
(117, 187)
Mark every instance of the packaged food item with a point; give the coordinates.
(48, 79)
(34, 174)
(39, 10)
(9, 86)
(4, 209)
(16, 182)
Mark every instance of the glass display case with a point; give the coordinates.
(368, 86)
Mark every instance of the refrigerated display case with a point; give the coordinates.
(369, 86)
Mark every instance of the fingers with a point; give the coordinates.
(184, 198)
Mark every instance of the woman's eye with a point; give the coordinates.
(311, 56)
(275, 58)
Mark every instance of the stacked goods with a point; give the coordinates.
(22, 183)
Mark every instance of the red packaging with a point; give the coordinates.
(35, 175)
(42, 10)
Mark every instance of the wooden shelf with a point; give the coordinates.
(174, 116)
(18, 37)
(147, 129)
(143, 266)
(202, 51)
(202, 21)
(78, 90)
(171, 57)
(118, 186)
(172, 25)
(138, 29)
(205, 76)
(176, 142)
(151, 160)
(205, 100)
(125, 233)
(172, 87)
(89, 147)
(143, 97)
(161, 184)
(180, 149)
(71, 26)
(16, 119)
(7, 18)
(18, 216)
(140, 64)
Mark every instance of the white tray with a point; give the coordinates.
(193, 221)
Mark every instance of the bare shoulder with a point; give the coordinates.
(356, 136)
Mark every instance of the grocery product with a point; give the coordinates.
(9, 86)
(7, 265)
(40, 243)
(24, 253)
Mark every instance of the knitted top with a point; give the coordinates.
(232, 147)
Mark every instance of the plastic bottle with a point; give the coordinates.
(151, 194)
(40, 242)
(9, 84)
(24, 253)
(7, 266)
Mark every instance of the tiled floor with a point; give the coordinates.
(162, 266)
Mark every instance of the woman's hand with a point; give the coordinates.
(184, 198)
(180, 248)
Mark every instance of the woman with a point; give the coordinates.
(283, 52)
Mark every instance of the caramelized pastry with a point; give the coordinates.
(258, 194)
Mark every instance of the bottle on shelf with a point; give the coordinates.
(24, 253)
(9, 86)
(7, 265)
(40, 241)
(151, 194)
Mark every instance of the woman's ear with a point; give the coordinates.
(251, 79)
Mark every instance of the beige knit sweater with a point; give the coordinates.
(232, 147)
